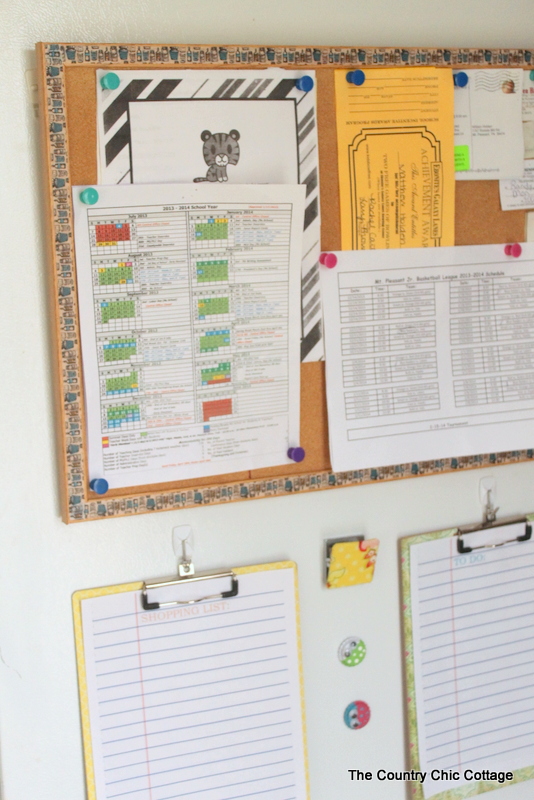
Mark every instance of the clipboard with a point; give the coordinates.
(193, 688)
(489, 521)
(466, 623)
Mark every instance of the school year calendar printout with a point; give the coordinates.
(189, 303)
(429, 354)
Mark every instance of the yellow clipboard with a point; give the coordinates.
(197, 694)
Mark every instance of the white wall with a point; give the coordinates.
(43, 561)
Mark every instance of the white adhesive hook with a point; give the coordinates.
(487, 489)
(182, 544)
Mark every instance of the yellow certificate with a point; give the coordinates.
(395, 136)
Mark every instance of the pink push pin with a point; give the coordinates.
(296, 454)
(328, 260)
(514, 250)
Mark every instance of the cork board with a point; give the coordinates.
(68, 124)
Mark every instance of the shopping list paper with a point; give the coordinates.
(199, 701)
(219, 126)
(396, 159)
(429, 354)
(487, 119)
(472, 620)
(189, 305)
(519, 193)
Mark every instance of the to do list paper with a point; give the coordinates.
(469, 623)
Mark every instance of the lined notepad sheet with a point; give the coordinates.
(473, 650)
(200, 702)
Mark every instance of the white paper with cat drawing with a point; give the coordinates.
(176, 126)
(161, 130)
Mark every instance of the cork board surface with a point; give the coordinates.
(479, 220)
(81, 127)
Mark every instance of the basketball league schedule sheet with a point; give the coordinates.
(189, 306)
(429, 354)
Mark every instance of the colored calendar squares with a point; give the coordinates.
(123, 384)
(221, 407)
(213, 376)
(212, 271)
(116, 310)
(209, 306)
(125, 417)
(111, 234)
(119, 350)
(211, 229)
(119, 275)
(212, 341)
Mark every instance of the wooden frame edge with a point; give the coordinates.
(53, 59)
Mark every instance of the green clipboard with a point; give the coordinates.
(474, 787)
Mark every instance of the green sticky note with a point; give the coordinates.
(461, 158)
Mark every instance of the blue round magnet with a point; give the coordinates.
(99, 485)
(357, 715)
(460, 79)
(356, 76)
(305, 84)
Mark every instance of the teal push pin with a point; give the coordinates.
(89, 196)
(110, 81)
(531, 74)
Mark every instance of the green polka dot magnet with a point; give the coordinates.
(351, 651)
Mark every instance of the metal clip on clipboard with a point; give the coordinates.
(489, 521)
(186, 574)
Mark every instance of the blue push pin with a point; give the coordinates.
(531, 74)
(461, 79)
(305, 84)
(356, 76)
(99, 485)
(89, 196)
(110, 81)
(296, 454)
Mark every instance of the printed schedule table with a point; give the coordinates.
(430, 354)
(191, 335)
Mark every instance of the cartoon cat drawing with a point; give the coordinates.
(220, 149)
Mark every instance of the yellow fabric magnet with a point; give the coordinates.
(350, 562)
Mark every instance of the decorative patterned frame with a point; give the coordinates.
(53, 59)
